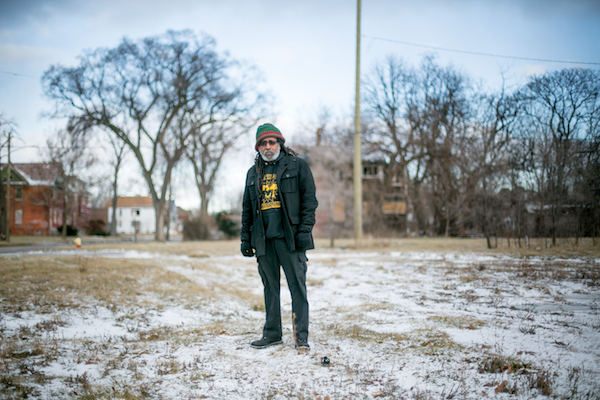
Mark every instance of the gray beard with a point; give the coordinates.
(269, 159)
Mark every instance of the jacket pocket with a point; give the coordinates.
(289, 182)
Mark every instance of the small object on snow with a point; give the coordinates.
(77, 242)
(378, 394)
(501, 387)
(325, 361)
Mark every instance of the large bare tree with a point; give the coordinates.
(145, 93)
(485, 158)
(390, 133)
(560, 110)
(416, 116)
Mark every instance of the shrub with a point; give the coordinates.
(227, 224)
(196, 229)
(70, 230)
(96, 227)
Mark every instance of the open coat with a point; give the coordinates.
(298, 201)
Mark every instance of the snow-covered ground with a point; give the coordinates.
(414, 325)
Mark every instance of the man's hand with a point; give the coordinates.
(303, 240)
(247, 249)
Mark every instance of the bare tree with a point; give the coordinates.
(560, 110)
(142, 92)
(439, 112)
(390, 133)
(212, 139)
(485, 157)
(418, 121)
(118, 151)
(390, 136)
(68, 148)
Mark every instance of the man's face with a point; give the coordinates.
(269, 149)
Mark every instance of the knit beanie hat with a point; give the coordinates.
(266, 131)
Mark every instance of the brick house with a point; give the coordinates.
(37, 199)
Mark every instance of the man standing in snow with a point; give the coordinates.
(277, 220)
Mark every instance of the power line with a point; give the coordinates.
(481, 54)
(15, 74)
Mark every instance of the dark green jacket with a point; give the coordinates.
(298, 202)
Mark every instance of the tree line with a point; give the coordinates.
(519, 162)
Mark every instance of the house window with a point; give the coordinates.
(120, 212)
(18, 193)
(18, 217)
(135, 212)
(370, 171)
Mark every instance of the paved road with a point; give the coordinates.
(40, 246)
(25, 248)
(28, 248)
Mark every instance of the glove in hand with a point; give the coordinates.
(247, 249)
(303, 240)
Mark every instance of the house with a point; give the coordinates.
(386, 209)
(133, 212)
(332, 172)
(42, 197)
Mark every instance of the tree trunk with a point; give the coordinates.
(63, 234)
(113, 218)
(447, 233)
(159, 234)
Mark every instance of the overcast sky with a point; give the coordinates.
(305, 49)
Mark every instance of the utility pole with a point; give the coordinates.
(8, 192)
(357, 173)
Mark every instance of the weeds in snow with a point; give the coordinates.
(401, 326)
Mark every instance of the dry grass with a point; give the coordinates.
(48, 284)
(537, 247)
(52, 287)
(461, 322)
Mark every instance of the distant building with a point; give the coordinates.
(386, 208)
(40, 195)
(131, 212)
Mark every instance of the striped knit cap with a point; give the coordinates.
(266, 131)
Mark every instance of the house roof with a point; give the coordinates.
(38, 174)
(137, 201)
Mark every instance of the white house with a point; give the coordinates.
(132, 211)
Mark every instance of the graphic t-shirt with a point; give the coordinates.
(270, 197)
(271, 204)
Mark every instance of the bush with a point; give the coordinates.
(96, 227)
(227, 224)
(196, 229)
(70, 230)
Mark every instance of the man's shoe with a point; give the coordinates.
(265, 342)
(302, 346)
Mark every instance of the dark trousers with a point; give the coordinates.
(294, 266)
